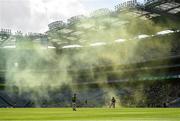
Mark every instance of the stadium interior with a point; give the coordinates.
(131, 53)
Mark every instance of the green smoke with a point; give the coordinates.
(35, 71)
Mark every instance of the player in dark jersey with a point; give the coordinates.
(74, 98)
(113, 102)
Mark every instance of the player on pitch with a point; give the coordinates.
(74, 102)
(113, 102)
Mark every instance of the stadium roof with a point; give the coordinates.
(165, 7)
(70, 35)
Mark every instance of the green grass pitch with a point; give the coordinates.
(90, 114)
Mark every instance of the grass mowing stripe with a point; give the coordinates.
(92, 120)
(89, 114)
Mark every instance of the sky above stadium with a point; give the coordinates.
(35, 15)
